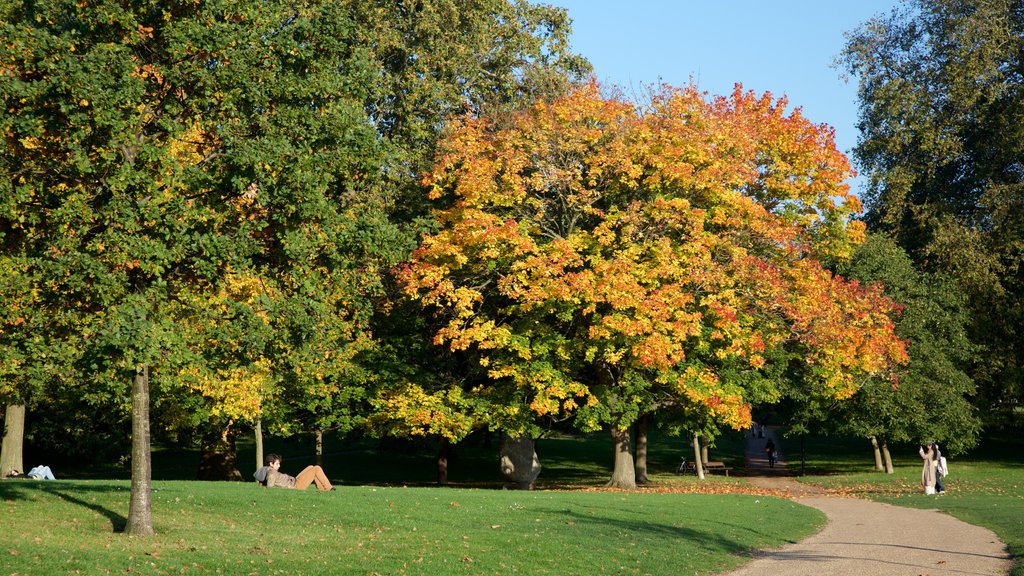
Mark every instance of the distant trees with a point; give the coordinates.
(941, 102)
(930, 398)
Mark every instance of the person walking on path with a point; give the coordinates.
(929, 464)
(309, 475)
(757, 462)
(769, 449)
(940, 470)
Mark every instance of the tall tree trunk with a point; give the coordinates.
(888, 458)
(442, 462)
(319, 447)
(259, 443)
(704, 449)
(218, 457)
(623, 471)
(696, 457)
(140, 506)
(803, 454)
(878, 454)
(12, 451)
(641, 452)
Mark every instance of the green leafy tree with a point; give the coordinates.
(941, 103)
(931, 397)
(153, 148)
(436, 60)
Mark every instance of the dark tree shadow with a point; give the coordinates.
(20, 489)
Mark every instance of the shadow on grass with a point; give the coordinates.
(702, 539)
(73, 494)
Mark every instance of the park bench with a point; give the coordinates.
(710, 466)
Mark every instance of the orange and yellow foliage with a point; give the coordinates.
(587, 235)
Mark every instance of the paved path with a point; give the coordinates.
(864, 538)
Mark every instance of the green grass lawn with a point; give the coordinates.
(386, 519)
(71, 527)
(985, 488)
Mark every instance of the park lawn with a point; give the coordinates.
(984, 488)
(72, 527)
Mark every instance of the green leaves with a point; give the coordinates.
(941, 103)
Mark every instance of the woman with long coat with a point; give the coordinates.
(927, 454)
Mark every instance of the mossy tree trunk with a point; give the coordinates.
(443, 452)
(887, 456)
(319, 447)
(259, 443)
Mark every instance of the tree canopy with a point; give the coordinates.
(597, 258)
(941, 103)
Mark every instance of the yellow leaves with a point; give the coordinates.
(412, 411)
(645, 239)
(856, 230)
(234, 392)
(192, 145)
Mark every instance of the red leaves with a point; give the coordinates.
(662, 241)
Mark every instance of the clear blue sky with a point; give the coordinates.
(786, 47)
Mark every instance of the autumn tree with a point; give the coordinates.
(436, 60)
(941, 140)
(153, 149)
(595, 257)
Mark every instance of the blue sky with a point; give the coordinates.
(784, 47)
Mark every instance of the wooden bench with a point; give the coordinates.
(710, 466)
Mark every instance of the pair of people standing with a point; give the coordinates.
(931, 469)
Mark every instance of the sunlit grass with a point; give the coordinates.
(72, 527)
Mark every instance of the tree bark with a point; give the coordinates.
(878, 454)
(641, 452)
(442, 462)
(259, 443)
(888, 458)
(696, 457)
(623, 471)
(320, 448)
(218, 457)
(12, 451)
(518, 462)
(704, 449)
(140, 506)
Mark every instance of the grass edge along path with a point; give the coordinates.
(985, 493)
(239, 528)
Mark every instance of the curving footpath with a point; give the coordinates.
(869, 538)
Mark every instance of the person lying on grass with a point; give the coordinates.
(274, 478)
